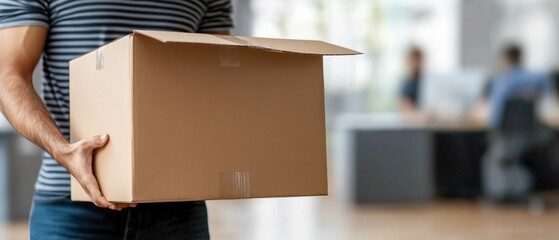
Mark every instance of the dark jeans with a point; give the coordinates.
(64, 219)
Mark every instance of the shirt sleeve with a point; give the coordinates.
(217, 17)
(547, 85)
(24, 13)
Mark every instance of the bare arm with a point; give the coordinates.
(480, 113)
(20, 49)
(406, 105)
(411, 112)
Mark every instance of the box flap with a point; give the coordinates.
(298, 46)
(180, 37)
(270, 44)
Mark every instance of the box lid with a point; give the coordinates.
(311, 47)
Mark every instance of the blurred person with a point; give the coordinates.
(505, 178)
(411, 87)
(514, 82)
(61, 30)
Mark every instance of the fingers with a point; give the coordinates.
(97, 141)
(91, 187)
(120, 206)
(88, 180)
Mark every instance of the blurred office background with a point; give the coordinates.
(390, 177)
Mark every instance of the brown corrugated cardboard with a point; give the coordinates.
(198, 117)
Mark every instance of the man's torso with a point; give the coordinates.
(518, 83)
(78, 27)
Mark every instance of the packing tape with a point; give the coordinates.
(238, 40)
(229, 57)
(247, 43)
(100, 59)
(234, 184)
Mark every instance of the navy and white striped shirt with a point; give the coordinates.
(80, 26)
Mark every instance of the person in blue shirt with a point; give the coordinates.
(505, 178)
(515, 82)
(410, 89)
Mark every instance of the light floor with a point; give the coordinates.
(326, 218)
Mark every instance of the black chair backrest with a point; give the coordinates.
(519, 116)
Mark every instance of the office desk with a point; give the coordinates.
(384, 158)
(457, 161)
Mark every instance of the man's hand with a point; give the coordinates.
(78, 159)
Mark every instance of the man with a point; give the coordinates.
(410, 90)
(515, 82)
(505, 178)
(61, 30)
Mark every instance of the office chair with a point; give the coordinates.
(518, 127)
(505, 177)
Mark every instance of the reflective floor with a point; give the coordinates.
(327, 218)
(323, 218)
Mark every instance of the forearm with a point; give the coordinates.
(21, 48)
(28, 114)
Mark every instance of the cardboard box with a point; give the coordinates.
(198, 116)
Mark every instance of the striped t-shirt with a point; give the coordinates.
(80, 26)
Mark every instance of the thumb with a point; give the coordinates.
(99, 140)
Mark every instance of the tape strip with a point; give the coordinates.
(229, 57)
(100, 59)
(247, 43)
(234, 184)
(239, 41)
